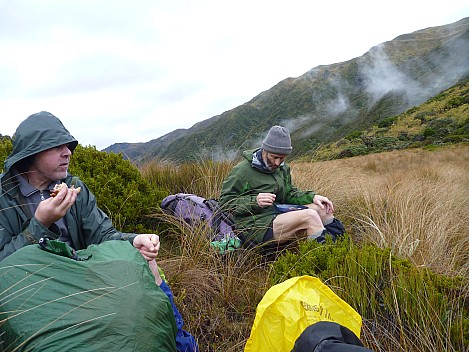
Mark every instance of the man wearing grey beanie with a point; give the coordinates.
(266, 206)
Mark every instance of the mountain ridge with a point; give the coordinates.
(328, 101)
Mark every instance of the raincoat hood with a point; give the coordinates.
(39, 132)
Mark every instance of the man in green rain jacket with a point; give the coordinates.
(266, 205)
(31, 211)
(42, 147)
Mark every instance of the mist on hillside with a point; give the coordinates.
(330, 101)
(418, 80)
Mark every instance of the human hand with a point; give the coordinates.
(323, 202)
(148, 245)
(265, 199)
(54, 208)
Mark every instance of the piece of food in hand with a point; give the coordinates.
(59, 186)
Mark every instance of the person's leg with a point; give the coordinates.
(297, 224)
(334, 226)
(325, 217)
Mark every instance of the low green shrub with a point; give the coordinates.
(353, 135)
(429, 132)
(395, 298)
(354, 150)
(456, 138)
(119, 188)
(386, 122)
(6, 147)
(424, 116)
(454, 102)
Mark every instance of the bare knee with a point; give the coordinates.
(312, 218)
(324, 216)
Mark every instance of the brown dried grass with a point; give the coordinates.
(414, 201)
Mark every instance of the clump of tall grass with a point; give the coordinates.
(202, 178)
(415, 202)
(214, 292)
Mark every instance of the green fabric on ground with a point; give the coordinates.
(109, 302)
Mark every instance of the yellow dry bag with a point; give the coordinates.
(288, 308)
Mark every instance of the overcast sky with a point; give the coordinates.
(134, 70)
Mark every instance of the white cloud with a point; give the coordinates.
(132, 71)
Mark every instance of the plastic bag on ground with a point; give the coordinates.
(288, 308)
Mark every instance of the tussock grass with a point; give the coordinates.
(215, 293)
(203, 178)
(415, 202)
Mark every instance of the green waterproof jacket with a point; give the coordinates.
(245, 182)
(18, 228)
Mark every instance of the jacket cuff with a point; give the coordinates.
(34, 231)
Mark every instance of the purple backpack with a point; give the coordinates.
(194, 209)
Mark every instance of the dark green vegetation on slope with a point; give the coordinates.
(443, 119)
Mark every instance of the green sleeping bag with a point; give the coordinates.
(107, 302)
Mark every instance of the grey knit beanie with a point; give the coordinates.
(277, 141)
